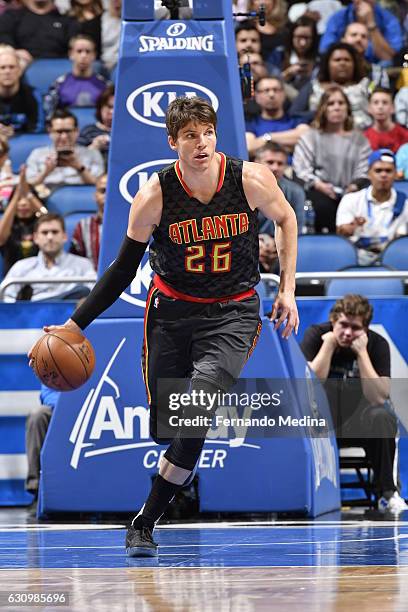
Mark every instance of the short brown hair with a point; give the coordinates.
(77, 37)
(352, 305)
(320, 120)
(183, 110)
(47, 218)
(272, 147)
(383, 90)
(103, 100)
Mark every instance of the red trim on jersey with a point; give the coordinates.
(173, 293)
(145, 359)
(221, 177)
(180, 178)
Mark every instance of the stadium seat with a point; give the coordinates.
(324, 253)
(396, 254)
(43, 72)
(401, 186)
(366, 286)
(21, 146)
(70, 222)
(72, 199)
(84, 114)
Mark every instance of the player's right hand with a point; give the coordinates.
(70, 325)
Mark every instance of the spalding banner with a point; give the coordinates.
(160, 60)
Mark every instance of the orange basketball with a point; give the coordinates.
(63, 360)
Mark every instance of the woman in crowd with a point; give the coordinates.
(88, 14)
(97, 135)
(17, 223)
(331, 158)
(301, 52)
(341, 66)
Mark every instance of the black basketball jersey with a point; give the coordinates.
(206, 250)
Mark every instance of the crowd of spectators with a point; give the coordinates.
(330, 89)
(87, 33)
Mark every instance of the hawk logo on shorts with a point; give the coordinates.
(156, 302)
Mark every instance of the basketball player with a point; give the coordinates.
(202, 312)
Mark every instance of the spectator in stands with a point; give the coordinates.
(37, 30)
(51, 263)
(384, 133)
(97, 136)
(275, 158)
(247, 38)
(82, 86)
(7, 178)
(86, 238)
(383, 27)
(65, 162)
(20, 105)
(17, 224)
(110, 34)
(353, 363)
(340, 66)
(331, 158)
(301, 52)
(273, 123)
(257, 64)
(402, 162)
(357, 35)
(36, 429)
(373, 216)
(318, 10)
(274, 32)
(88, 13)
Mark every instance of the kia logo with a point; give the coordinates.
(141, 178)
(176, 29)
(147, 106)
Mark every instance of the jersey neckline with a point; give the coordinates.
(221, 177)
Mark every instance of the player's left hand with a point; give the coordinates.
(285, 308)
(359, 345)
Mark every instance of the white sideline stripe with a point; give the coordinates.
(13, 467)
(18, 403)
(18, 341)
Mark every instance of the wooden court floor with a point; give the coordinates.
(283, 565)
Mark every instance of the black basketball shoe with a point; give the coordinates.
(140, 543)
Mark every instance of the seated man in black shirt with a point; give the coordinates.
(345, 349)
(37, 30)
(20, 105)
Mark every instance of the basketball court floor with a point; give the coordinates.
(334, 563)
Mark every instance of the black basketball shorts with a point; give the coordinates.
(184, 340)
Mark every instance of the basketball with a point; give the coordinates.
(63, 360)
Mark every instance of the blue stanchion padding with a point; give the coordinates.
(313, 401)
(98, 442)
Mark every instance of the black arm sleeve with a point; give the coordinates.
(112, 283)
